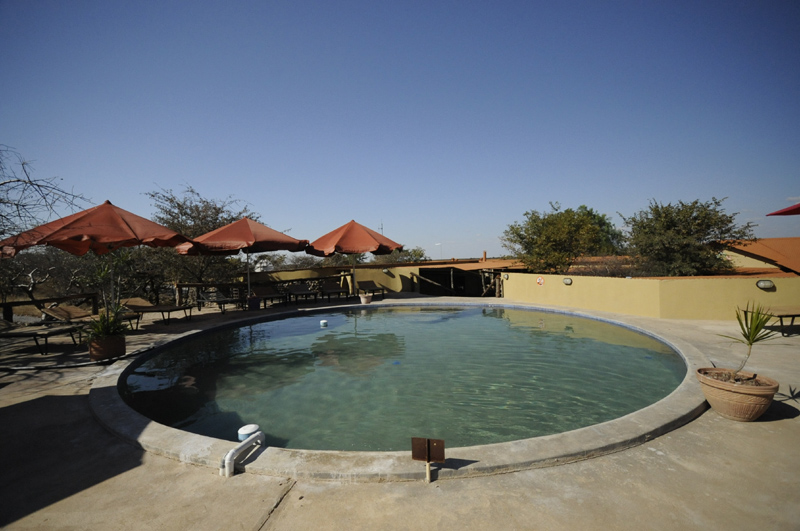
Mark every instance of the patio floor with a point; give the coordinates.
(62, 469)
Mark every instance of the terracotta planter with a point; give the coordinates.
(107, 347)
(366, 299)
(744, 403)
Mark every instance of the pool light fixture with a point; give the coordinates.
(765, 284)
(567, 281)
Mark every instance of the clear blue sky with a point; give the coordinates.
(442, 122)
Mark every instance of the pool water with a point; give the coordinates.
(375, 377)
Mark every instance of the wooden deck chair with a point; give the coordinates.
(369, 287)
(332, 287)
(138, 307)
(40, 332)
(267, 293)
(301, 290)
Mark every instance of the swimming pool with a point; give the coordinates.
(373, 378)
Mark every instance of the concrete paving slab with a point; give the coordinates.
(63, 470)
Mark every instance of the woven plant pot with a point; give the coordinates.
(744, 403)
(108, 347)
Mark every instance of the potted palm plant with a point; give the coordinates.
(735, 394)
(106, 334)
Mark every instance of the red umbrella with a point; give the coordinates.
(352, 238)
(100, 229)
(244, 235)
(790, 211)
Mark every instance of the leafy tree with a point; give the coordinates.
(192, 215)
(417, 254)
(338, 259)
(684, 239)
(612, 239)
(550, 242)
(284, 261)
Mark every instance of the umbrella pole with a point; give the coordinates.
(248, 275)
(353, 277)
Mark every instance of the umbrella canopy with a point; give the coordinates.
(352, 238)
(790, 211)
(100, 229)
(244, 235)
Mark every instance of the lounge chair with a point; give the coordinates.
(215, 297)
(268, 293)
(369, 287)
(138, 307)
(301, 290)
(67, 313)
(37, 332)
(331, 287)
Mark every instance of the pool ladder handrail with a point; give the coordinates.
(228, 463)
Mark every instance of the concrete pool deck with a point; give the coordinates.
(62, 469)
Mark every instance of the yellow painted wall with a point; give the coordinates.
(621, 295)
(678, 298)
(717, 298)
(674, 298)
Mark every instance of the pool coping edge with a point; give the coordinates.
(681, 406)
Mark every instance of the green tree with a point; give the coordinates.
(550, 242)
(192, 215)
(338, 259)
(284, 261)
(417, 254)
(684, 239)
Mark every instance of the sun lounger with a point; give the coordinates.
(785, 312)
(301, 290)
(40, 332)
(369, 287)
(215, 297)
(139, 307)
(67, 313)
(268, 293)
(331, 287)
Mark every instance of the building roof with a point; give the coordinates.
(781, 252)
(473, 265)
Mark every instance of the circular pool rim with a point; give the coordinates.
(681, 406)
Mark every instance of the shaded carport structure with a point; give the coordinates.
(464, 278)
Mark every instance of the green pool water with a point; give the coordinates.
(375, 377)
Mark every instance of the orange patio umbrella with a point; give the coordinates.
(790, 211)
(100, 229)
(352, 238)
(243, 235)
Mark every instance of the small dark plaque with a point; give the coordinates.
(436, 450)
(419, 449)
(428, 450)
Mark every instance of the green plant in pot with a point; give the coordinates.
(735, 394)
(106, 334)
